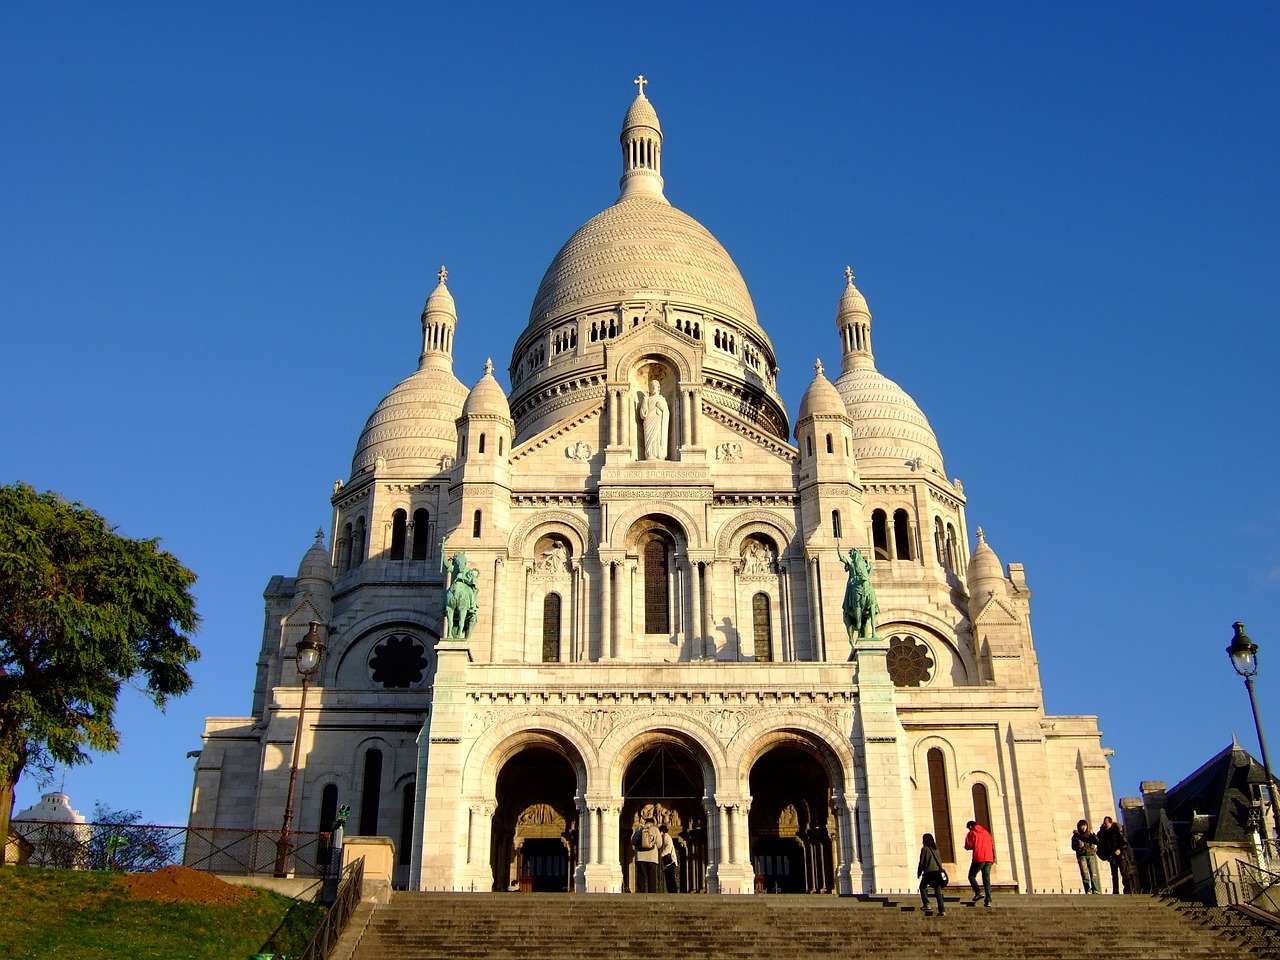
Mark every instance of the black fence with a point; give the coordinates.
(139, 848)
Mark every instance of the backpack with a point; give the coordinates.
(644, 838)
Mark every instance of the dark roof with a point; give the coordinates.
(1218, 796)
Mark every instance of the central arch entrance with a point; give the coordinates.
(535, 824)
(665, 781)
(791, 823)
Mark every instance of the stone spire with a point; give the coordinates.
(641, 149)
(439, 319)
(853, 319)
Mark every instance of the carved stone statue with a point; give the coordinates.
(553, 559)
(461, 606)
(860, 605)
(655, 421)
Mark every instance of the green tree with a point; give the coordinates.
(83, 610)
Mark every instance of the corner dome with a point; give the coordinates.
(642, 248)
(820, 397)
(984, 565)
(414, 427)
(315, 563)
(487, 397)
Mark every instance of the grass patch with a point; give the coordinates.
(88, 915)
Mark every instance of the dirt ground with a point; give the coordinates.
(182, 885)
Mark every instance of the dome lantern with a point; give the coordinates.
(641, 149)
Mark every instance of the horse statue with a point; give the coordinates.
(860, 606)
(460, 599)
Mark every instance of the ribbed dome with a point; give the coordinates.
(984, 565)
(889, 430)
(820, 397)
(640, 114)
(414, 426)
(487, 397)
(642, 247)
(315, 563)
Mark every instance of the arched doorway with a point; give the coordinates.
(791, 823)
(665, 782)
(535, 824)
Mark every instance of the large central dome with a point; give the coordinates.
(642, 247)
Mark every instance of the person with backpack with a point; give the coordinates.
(1085, 844)
(929, 870)
(646, 841)
(1113, 848)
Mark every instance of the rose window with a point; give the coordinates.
(398, 662)
(909, 662)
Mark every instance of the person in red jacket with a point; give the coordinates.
(984, 855)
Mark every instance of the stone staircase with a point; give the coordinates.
(441, 926)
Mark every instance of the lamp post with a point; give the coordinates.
(310, 650)
(1244, 657)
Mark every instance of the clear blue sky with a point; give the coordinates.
(218, 224)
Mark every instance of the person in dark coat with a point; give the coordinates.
(1113, 848)
(929, 870)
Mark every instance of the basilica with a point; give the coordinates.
(617, 591)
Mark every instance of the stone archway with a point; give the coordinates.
(792, 830)
(535, 824)
(665, 781)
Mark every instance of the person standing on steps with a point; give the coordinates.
(979, 840)
(667, 857)
(929, 870)
(645, 842)
(1113, 847)
(1084, 842)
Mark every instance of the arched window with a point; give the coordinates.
(902, 536)
(399, 531)
(939, 541)
(475, 524)
(480, 446)
(657, 617)
(941, 803)
(357, 543)
(370, 793)
(953, 561)
(501, 444)
(406, 824)
(835, 524)
(830, 448)
(761, 627)
(328, 806)
(808, 446)
(880, 534)
(981, 808)
(344, 550)
(551, 628)
(421, 534)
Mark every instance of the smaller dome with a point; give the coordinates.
(54, 807)
(852, 302)
(640, 114)
(487, 397)
(441, 300)
(984, 566)
(413, 427)
(315, 563)
(820, 397)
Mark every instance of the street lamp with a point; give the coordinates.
(1244, 657)
(310, 650)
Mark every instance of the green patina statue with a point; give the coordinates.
(860, 606)
(460, 600)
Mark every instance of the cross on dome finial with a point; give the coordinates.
(817, 367)
(640, 81)
(488, 366)
(320, 536)
(443, 274)
(982, 537)
(848, 274)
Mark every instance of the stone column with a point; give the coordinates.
(843, 850)
(584, 844)
(695, 632)
(787, 641)
(606, 609)
(476, 875)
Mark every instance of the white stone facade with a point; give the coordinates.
(658, 625)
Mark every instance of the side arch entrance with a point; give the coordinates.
(792, 828)
(665, 781)
(535, 823)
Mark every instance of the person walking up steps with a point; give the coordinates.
(645, 841)
(983, 846)
(929, 870)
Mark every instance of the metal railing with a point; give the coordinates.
(136, 848)
(350, 891)
(1258, 887)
